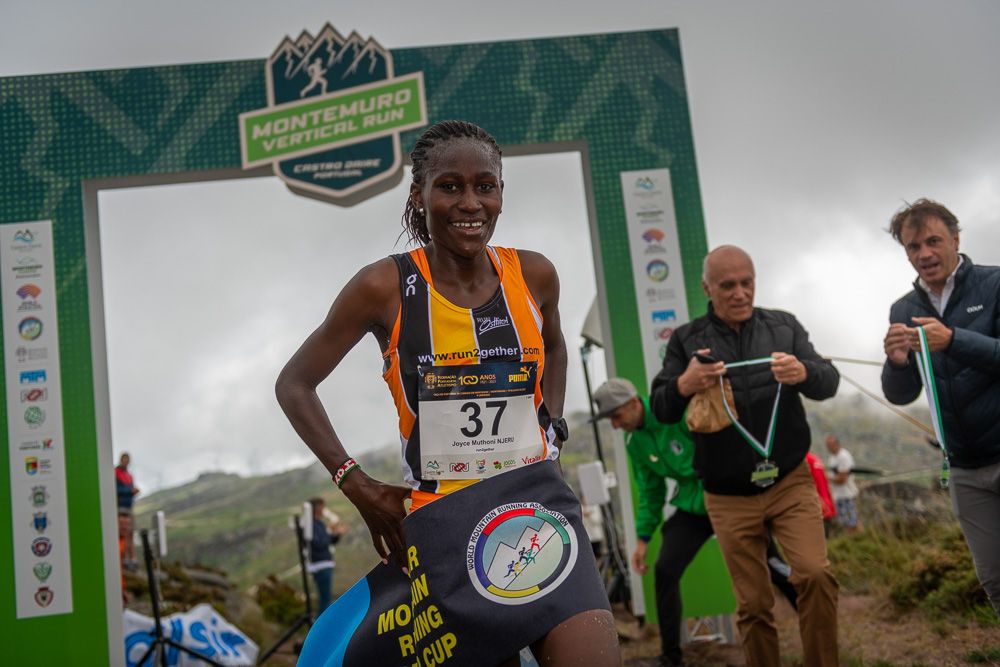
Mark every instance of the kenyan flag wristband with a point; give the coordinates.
(345, 467)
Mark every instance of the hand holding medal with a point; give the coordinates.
(788, 369)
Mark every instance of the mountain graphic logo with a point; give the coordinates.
(520, 552)
(335, 112)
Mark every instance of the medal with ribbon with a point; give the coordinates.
(926, 369)
(764, 473)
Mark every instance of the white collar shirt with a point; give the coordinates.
(940, 301)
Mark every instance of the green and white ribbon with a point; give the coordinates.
(750, 362)
(926, 369)
(763, 449)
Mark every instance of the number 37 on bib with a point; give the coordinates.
(478, 420)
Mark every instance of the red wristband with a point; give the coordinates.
(345, 467)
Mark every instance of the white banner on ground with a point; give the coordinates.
(34, 421)
(200, 629)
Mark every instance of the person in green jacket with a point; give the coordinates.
(656, 452)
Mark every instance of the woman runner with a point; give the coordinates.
(454, 300)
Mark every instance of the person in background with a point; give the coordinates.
(321, 549)
(842, 486)
(818, 471)
(124, 537)
(126, 491)
(957, 304)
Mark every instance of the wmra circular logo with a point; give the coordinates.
(519, 552)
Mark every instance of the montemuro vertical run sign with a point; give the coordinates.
(335, 111)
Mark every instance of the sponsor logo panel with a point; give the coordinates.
(24, 241)
(32, 377)
(42, 570)
(25, 354)
(34, 395)
(664, 316)
(41, 546)
(39, 496)
(30, 328)
(26, 267)
(44, 596)
(40, 562)
(34, 417)
(658, 270)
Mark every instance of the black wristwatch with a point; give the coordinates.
(560, 427)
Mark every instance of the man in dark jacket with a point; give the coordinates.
(754, 470)
(958, 305)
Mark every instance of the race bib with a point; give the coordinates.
(479, 420)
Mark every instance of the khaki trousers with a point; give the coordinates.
(790, 510)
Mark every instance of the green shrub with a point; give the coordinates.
(941, 581)
(871, 562)
(279, 601)
(984, 656)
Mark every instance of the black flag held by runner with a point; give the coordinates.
(493, 567)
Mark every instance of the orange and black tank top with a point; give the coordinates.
(466, 381)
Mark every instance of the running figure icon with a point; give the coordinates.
(317, 74)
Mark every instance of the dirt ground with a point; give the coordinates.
(871, 632)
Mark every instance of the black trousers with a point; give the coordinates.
(683, 535)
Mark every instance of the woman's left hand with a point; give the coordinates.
(381, 507)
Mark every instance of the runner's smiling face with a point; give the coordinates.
(461, 195)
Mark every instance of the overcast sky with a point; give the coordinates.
(813, 122)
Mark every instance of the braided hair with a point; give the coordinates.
(414, 219)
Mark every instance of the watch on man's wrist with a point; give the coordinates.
(561, 428)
